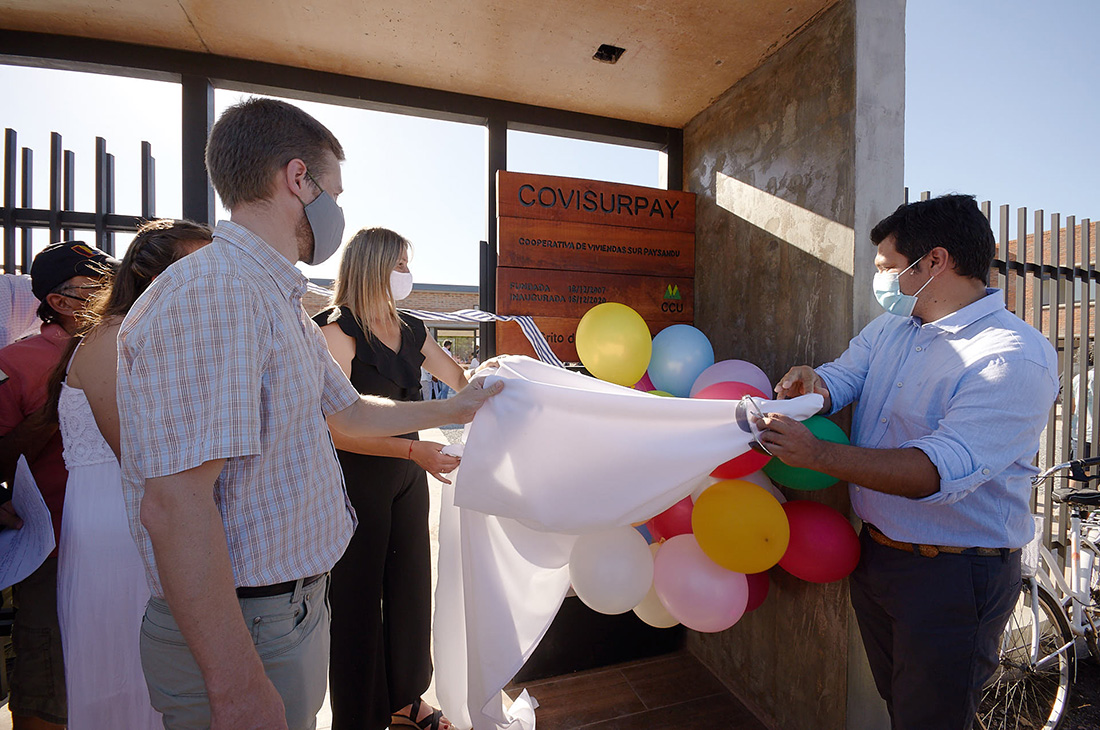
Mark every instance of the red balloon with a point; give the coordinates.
(676, 520)
(823, 547)
(645, 384)
(758, 590)
(749, 461)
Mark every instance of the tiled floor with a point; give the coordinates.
(664, 693)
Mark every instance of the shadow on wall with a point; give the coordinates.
(773, 279)
(826, 240)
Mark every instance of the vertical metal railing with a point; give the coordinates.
(61, 219)
(1048, 272)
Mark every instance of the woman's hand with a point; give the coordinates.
(429, 457)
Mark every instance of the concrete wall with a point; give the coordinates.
(788, 175)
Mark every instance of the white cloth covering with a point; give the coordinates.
(555, 455)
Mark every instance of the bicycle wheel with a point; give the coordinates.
(1022, 694)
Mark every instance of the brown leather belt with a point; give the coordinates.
(276, 589)
(931, 551)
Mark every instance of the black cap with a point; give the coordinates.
(59, 262)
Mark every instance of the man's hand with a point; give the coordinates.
(790, 441)
(258, 707)
(8, 518)
(429, 457)
(802, 380)
(468, 400)
(904, 472)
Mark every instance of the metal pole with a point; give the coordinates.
(497, 161)
(198, 118)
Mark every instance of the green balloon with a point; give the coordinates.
(808, 479)
(662, 393)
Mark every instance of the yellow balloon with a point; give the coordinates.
(614, 343)
(740, 526)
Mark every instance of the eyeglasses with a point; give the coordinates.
(748, 417)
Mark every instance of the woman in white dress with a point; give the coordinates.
(102, 589)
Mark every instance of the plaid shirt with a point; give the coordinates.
(218, 360)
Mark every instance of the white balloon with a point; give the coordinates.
(611, 571)
(706, 482)
(761, 479)
(758, 478)
(651, 610)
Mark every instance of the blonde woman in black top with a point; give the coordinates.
(380, 592)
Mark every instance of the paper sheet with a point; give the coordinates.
(23, 550)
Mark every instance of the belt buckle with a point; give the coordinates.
(928, 551)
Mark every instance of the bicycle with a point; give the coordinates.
(1032, 685)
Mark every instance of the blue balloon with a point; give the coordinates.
(645, 533)
(680, 354)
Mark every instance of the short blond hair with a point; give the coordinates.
(253, 140)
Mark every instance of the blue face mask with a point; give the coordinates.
(887, 287)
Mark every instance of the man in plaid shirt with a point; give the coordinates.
(235, 496)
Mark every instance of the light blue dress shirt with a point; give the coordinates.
(973, 391)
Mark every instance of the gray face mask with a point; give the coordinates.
(326, 220)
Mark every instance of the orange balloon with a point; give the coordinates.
(740, 526)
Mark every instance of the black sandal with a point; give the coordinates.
(431, 722)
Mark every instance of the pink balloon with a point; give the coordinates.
(758, 590)
(823, 547)
(698, 592)
(676, 520)
(738, 371)
(749, 461)
(645, 384)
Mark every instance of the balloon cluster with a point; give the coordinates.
(710, 553)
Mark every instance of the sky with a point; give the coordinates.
(1000, 102)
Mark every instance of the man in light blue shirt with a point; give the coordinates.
(952, 393)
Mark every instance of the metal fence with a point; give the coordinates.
(59, 217)
(1048, 271)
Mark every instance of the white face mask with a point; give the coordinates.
(401, 284)
(887, 288)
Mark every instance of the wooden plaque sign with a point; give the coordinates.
(520, 195)
(565, 245)
(548, 293)
(588, 247)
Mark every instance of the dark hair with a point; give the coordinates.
(157, 245)
(252, 140)
(952, 222)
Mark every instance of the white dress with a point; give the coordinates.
(101, 585)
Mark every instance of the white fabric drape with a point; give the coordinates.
(555, 455)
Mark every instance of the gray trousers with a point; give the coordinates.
(291, 635)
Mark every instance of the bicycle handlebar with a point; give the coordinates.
(1076, 469)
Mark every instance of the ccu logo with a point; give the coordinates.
(672, 301)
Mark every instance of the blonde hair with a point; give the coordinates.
(363, 282)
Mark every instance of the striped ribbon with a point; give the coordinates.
(526, 324)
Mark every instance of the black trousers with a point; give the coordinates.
(932, 629)
(380, 595)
